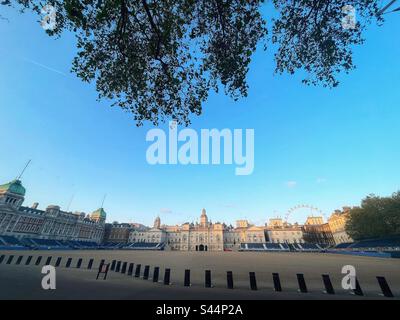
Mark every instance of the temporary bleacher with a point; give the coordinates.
(378, 243)
(343, 245)
(263, 247)
(282, 247)
(145, 246)
(392, 243)
(384, 247)
(45, 244)
(310, 247)
(111, 246)
(10, 243)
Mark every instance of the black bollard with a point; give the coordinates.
(58, 262)
(123, 269)
(10, 259)
(385, 287)
(48, 260)
(19, 260)
(79, 263)
(2, 258)
(277, 282)
(28, 261)
(358, 291)
(208, 279)
(167, 276)
(302, 283)
(146, 272)
(186, 282)
(90, 264)
(68, 264)
(113, 265)
(103, 269)
(38, 260)
(253, 282)
(229, 279)
(328, 284)
(137, 271)
(118, 266)
(130, 269)
(156, 273)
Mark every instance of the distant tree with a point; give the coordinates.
(160, 59)
(377, 217)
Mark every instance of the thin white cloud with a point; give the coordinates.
(165, 211)
(321, 180)
(291, 184)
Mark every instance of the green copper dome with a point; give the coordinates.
(99, 213)
(14, 186)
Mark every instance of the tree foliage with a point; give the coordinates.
(311, 36)
(160, 59)
(377, 217)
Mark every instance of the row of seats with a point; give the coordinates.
(263, 247)
(35, 243)
(112, 245)
(309, 247)
(387, 243)
(145, 246)
(280, 247)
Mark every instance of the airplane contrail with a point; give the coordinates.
(38, 64)
(44, 66)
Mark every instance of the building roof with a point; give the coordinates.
(99, 213)
(14, 186)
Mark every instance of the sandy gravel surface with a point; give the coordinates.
(23, 282)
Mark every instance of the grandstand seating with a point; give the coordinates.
(378, 243)
(392, 243)
(255, 246)
(274, 247)
(263, 247)
(309, 247)
(343, 245)
(145, 246)
(112, 245)
(9, 243)
(284, 247)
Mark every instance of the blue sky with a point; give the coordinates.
(326, 148)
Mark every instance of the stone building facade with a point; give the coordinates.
(279, 231)
(52, 223)
(117, 232)
(315, 230)
(202, 236)
(337, 223)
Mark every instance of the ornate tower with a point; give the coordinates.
(203, 218)
(99, 215)
(12, 194)
(157, 223)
